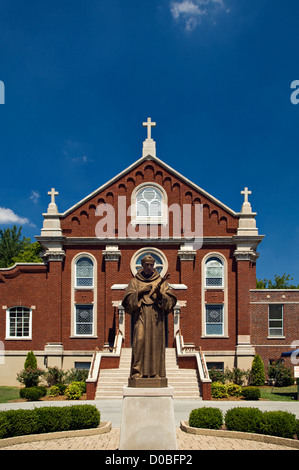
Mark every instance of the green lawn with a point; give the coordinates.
(279, 393)
(9, 393)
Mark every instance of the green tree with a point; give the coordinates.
(257, 371)
(30, 361)
(17, 249)
(29, 254)
(11, 244)
(280, 282)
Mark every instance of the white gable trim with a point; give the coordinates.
(167, 167)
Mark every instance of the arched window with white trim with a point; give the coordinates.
(214, 272)
(149, 204)
(161, 263)
(84, 272)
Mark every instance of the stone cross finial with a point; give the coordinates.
(53, 193)
(246, 193)
(149, 124)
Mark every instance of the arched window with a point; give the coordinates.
(157, 258)
(84, 272)
(149, 202)
(214, 272)
(18, 323)
(161, 263)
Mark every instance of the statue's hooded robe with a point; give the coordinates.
(148, 349)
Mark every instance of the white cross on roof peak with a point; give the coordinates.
(246, 193)
(53, 193)
(149, 124)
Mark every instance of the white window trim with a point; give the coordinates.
(224, 288)
(141, 220)
(84, 287)
(85, 335)
(74, 289)
(18, 338)
(146, 250)
(222, 284)
(222, 323)
(273, 328)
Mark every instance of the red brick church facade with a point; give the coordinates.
(69, 304)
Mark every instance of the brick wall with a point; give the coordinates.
(267, 347)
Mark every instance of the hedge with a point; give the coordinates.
(244, 419)
(33, 393)
(247, 419)
(48, 419)
(205, 417)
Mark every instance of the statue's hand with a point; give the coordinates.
(145, 290)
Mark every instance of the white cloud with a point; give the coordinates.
(7, 216)
(187, 8)
(34, 196)
(82, 159)
(190, 12)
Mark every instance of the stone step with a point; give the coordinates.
(112, 381)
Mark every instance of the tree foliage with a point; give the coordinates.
(280, 282)
(257, 371)
(17, 249)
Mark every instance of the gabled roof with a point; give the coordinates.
(162, 164)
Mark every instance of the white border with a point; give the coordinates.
(18, 338)
(74, 289)
(163, 219)
(224, 288)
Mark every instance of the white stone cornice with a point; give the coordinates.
(111, 253)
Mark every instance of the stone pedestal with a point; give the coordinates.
(147, 421)
(151, 382)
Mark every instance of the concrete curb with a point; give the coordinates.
(184, 425)
(101, 429)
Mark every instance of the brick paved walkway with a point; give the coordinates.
(110, 441)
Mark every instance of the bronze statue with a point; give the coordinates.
(149, 298)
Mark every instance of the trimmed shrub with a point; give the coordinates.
(279, 423)
(74, 391)
(30, 361)
(251, 393)
(257, 374)
(4, 425)
(84, 416)
(206, 417)
(54, 391)
(218, 390)
(234, 390)
(62, 388)
(244, 419)
(21, 422)
(54, 418)
(33, 393)
(48, 419)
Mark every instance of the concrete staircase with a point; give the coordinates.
(112, 381)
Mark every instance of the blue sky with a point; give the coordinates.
(81, 76)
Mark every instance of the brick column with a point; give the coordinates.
(245, 281)
(187, 256)
(111, 255)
